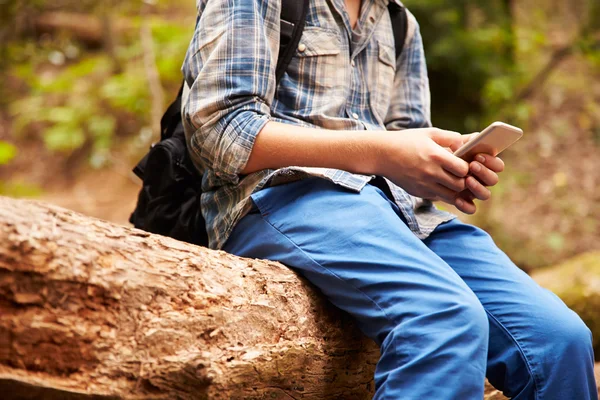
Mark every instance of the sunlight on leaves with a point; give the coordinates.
(7, 152)
(64, 138)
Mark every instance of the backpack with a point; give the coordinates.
(169, 200)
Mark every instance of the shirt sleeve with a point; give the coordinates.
(410, 106)
(230, 68)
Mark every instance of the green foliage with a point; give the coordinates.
(64, 137)
(85, 101)
(127, 92)
(71, 106)
(171, 41)
(19, 189)
(7, 152)
(469, 50)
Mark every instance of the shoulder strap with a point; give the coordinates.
(172, 116)
(399, 26)
(293, 19)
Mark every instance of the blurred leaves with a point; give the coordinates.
(64, 137)
(7, 152)
(19, 189)
(470, 52)
(81, 100)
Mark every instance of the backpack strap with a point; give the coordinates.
(399, 26)
(293, 19)
(172, 116)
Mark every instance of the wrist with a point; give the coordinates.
(377, 152)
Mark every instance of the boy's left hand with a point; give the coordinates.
(484, 173)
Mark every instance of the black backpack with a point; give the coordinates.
(169, 201)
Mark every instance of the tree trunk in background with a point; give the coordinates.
(509, 27)
(91, 310)
(152, 75)
(109, 38)
(87, 28)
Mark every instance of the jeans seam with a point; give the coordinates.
(392, 323)
(523, 354)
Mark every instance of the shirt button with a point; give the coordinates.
(355, 115)
(301, 47)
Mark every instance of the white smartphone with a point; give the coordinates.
(492, 140)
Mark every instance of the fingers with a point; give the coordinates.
(444, 194)
(452, 140)
(467, 195)
(479, 191)
(464, 202)
(487, 176)
(463, 140)
(456, 166)
(446, 138)
(450, 181)
(494, 163)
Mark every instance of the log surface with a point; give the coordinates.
(94, 310)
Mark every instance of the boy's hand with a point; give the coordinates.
(422, 163)
(418, 161)
(483, 173)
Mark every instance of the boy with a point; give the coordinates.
(332, 170)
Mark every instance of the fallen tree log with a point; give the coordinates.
(94, 310)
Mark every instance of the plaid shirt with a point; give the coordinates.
(339, 78)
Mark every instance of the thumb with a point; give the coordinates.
(446, 138)
(463, 140)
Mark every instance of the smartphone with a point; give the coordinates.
(492, 140)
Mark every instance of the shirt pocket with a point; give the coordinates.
(383, 79)
(317, 72)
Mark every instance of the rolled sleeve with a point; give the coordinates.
(410, 106)
(229, 145)
(230, 67)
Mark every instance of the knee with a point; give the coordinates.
(472, 320)
(567, 360)
(564, 337)
(573, 336)
(461, 319)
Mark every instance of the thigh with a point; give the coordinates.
(356, 249)
(523, 316)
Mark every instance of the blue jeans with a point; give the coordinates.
(446, 311)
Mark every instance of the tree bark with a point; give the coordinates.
(94, 310)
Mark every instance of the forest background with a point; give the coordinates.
(83, 85)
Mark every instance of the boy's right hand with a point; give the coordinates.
(419, 161)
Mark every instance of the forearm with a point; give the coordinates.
(416, 160)
(280, 145)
